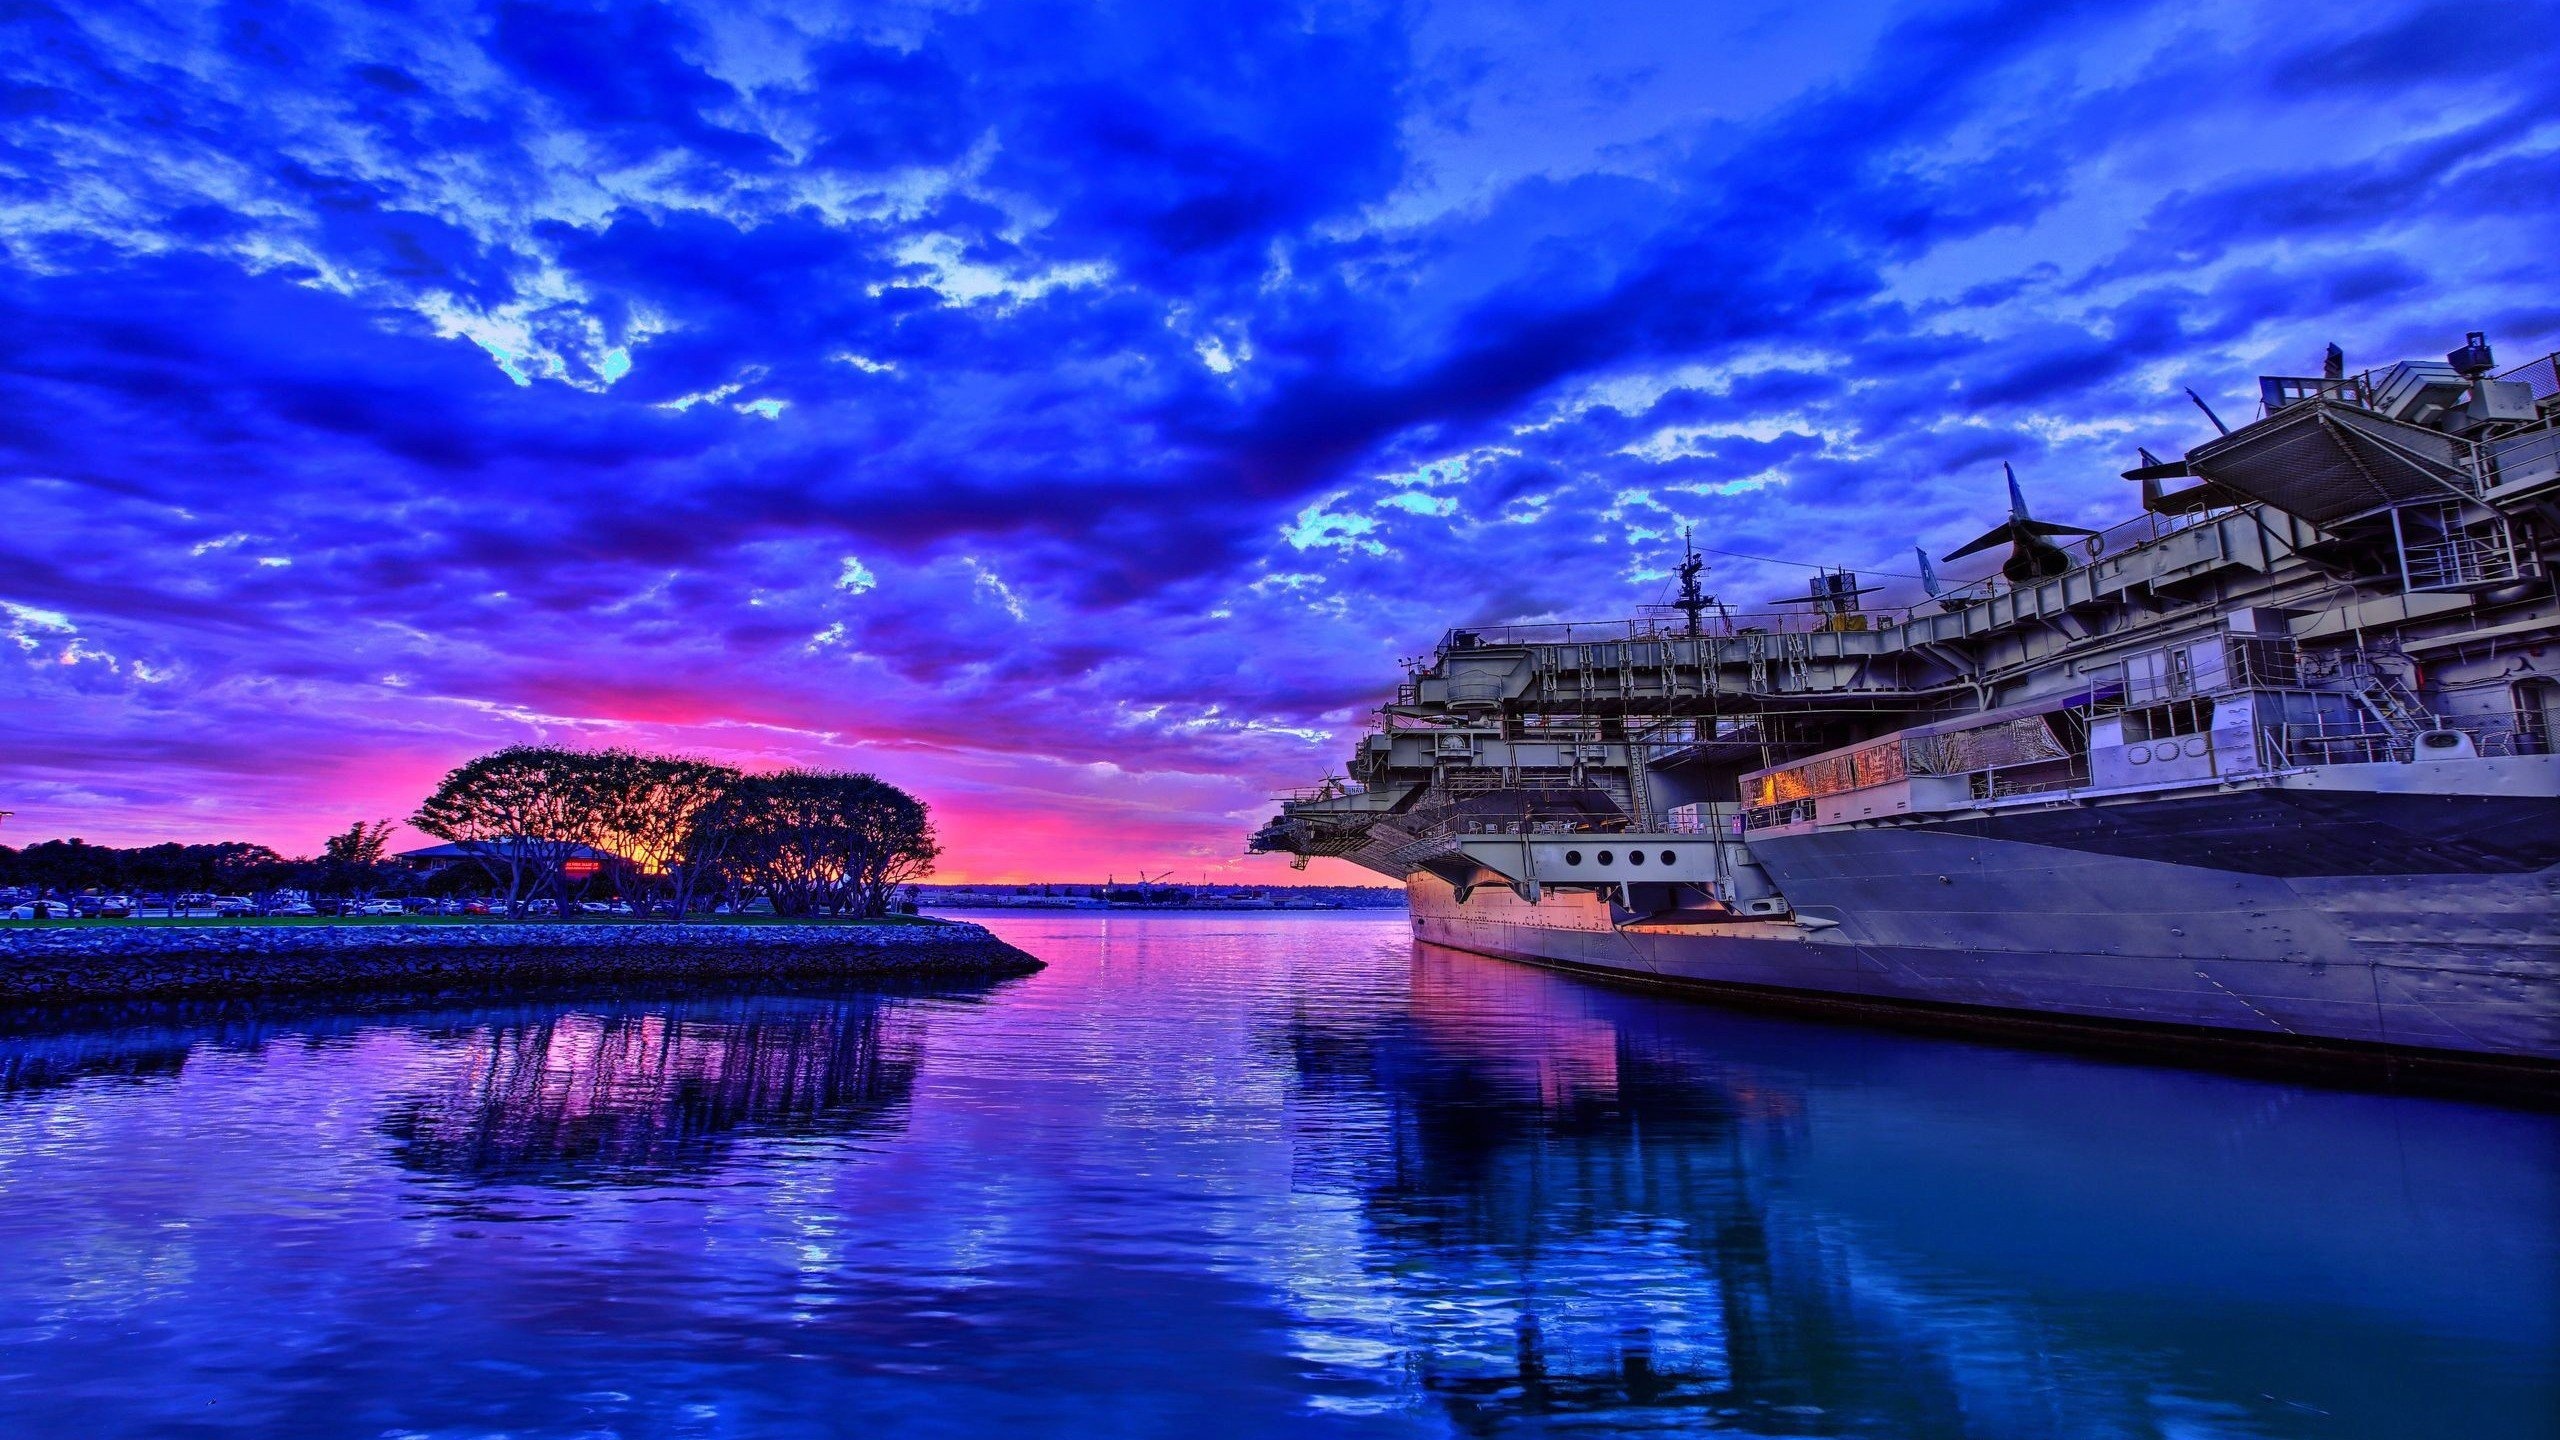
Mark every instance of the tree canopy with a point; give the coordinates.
(523, 813)
(546, 821)
(223, 866)
(671, 829)
(819, 841)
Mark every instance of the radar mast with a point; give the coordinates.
(1694, 599)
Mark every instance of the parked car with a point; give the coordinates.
(291, 907)
(234, 905)
(39, 910)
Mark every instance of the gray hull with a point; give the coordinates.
(2460, 969)
(2275, 766)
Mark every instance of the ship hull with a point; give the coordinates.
(2457, 974)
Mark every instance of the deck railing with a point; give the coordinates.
(1725, 625)
(1789, 812)
(2295, 746)
(2543, 375)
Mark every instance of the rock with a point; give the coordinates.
(107, 960)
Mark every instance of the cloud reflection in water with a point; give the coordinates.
(1240, 1176)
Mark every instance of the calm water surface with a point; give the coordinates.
(1239, 1176)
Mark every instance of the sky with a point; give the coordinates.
(1074, 413)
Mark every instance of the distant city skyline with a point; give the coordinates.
(1071, 414)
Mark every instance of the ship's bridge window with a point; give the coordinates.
(2027, 740)
(1832, 774)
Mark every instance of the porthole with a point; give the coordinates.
(1608, 857)
(2138, 754)
(2195, 748)
(1573, 857)
(1668, 857)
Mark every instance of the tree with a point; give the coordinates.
(237, 865)
(826, 842)
(162, 870)
(167, 869)
(897, 847)
(703, 853)
(788, 839)
(363, 843)
(68, 866)
(648, 809)
(353, 861)
(522, 812)
(815, 841)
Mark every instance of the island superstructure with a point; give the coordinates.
(2272, 764)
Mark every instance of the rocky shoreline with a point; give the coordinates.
(54, 965)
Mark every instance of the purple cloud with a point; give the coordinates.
(1074, 413)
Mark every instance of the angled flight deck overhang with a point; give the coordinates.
(2328, 462)
(2275, 762)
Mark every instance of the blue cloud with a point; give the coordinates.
(382, 383)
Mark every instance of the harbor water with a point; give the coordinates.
(1236, 1175)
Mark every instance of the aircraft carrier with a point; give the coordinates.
(2273, 768)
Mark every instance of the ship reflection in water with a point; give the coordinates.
(1242, 1176)
(1619, 1214)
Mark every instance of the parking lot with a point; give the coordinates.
(27, 906)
